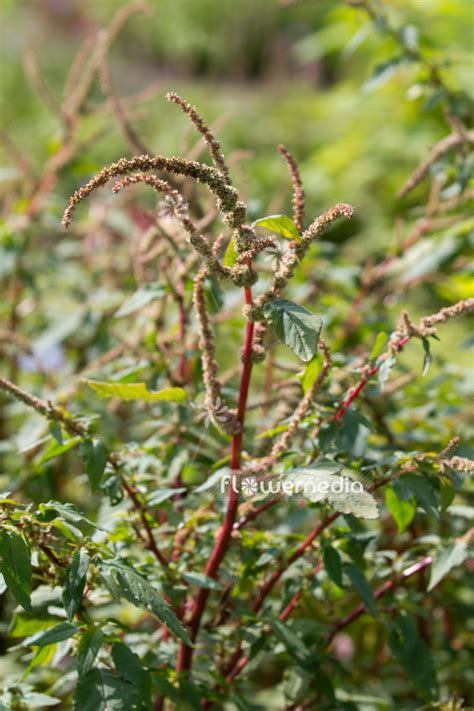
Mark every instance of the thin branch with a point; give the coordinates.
(440, 149)
(50, 412)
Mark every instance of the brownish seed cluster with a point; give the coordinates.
(204, 130)
(444, 146)
(294, 256)
(225, 418)
(298, 192)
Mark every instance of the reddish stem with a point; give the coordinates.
(388, 585)
(355, 391)
(359, 610)
(222, 543)
(273, 579)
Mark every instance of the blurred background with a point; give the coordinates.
(317, 76)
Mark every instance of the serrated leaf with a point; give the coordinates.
(74, 582)
(68, 512)
(359, 581)
(446, 559)
(402, 511)
(344, 494)
(142, 297)
(136, 391)
(124, 582)
(94, 454)
(55, 634)
(88, 649)
(281, 224)
(202, 581)
(230, 256)
(103, 690)
(15, 566)
(295, 326)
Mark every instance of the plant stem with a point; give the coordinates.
(360, 610)
(222, 543)
(355, 392)
(385, 587)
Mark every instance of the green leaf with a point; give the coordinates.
(383, 72)
(55, 431)
(55, 449)
(52, 509)
(15, 566)
(292, 642)
(203, 581)
(43, 657)
(402, 511)
(159, 496)
(428, 358)
(230, 256)
(409, 36)
(379, 345)
(94, 453)
(333, 564)
(39, 701)
(413, 654)
(129, 666)
(136, 391)
(74, 583)
(311, 373)
(281, 224)
(446, 559)
(142, 297)
(88, 649)
(272, 432)
(359, 581)
(295, 326)
(343, 493)
(55, 634)
(422, 488)
(124, 582)
(103, 690)
(385, 369)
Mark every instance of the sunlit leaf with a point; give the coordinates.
(281, 224)
(136, 391)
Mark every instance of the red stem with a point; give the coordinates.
(355, 391)
(359, 610)
(222, 543)
(388, 585)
